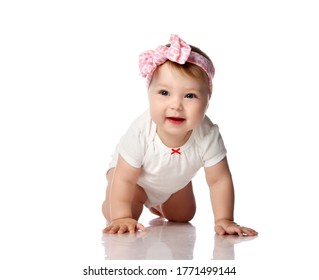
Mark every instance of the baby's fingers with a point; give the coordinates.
(131, 228)
(242, 231)
(249, 231)
(140, 227)
(111, 229)
(125, 228)
(219, 230)
(122, 227)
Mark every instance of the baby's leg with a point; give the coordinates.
(180, 207)
(137, 203)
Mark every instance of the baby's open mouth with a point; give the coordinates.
(175, 120)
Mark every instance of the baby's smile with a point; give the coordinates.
(175, 120)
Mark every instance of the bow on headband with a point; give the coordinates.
(178, 52)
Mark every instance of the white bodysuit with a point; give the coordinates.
(166, 170)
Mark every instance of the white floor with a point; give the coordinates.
(60, 240)
(165, 240)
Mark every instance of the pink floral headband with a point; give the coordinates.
(178, 52)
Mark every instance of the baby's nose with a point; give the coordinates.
(177, 104)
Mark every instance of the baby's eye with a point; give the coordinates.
(164, 92)
(190, 95)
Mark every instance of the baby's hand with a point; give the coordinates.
(223, 227)
(123, 225)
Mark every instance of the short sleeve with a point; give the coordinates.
(212, 147)
(133, 143)
(131, 147)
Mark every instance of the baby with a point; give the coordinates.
(161, 152)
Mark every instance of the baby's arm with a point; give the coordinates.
(121, 196)
(221, 188)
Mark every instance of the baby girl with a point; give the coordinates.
(156, 159)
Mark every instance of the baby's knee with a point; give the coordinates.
(181, 217)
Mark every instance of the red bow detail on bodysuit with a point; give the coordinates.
(176, 151)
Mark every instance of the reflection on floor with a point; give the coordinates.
(165, 240)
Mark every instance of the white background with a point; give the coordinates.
(70, 86)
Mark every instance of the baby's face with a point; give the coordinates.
(178, 103)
